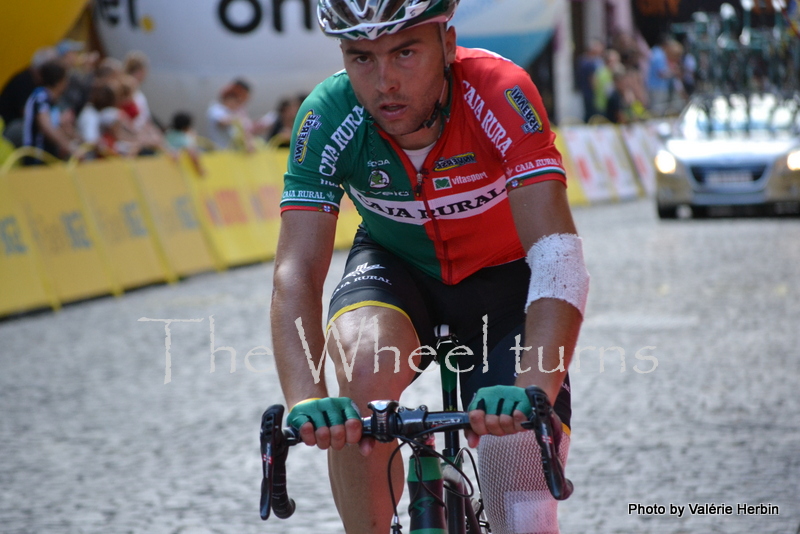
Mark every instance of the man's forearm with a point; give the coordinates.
(550, 324)
(296, 372)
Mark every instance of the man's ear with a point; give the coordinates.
(450, 45)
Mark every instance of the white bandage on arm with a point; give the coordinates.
(558, 270)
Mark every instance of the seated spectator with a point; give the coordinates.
(16, 93)
(98, 115)
(80, 72)
(229, 124)
(136, 67)
(181, 136)
(41, 127)
(108, 68)
(147, 137)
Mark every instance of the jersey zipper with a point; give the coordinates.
(419, 192)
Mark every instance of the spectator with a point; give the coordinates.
(281, 132)
(98, 114)
(677, 93)
(660, 77)
(689, 72)
(147, 136)
(603, 82)
(229, 124)
(618, 108)
(80, 72)
(41, 127)
(136, 65)
(181, 134)
(587, 65)
(108, 68)
(16, 93)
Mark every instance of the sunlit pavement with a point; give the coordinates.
(696, 400)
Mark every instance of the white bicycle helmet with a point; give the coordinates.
(370, 19)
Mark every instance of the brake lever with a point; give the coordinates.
(274, 450)
(548, 438)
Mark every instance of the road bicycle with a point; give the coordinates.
(442, 497)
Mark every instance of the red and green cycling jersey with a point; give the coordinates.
(451, 217)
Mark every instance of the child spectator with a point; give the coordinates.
(181, 135)
(98, 114)
(227, 116)
(41, 128)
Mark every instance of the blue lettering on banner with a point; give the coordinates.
(12, 237)
(133, 219)
(76, 230)
(183, 207)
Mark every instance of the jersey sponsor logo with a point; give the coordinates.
(456, 206)
(411, 212)
(538, 166)
(488, 120)
(458, 180)
(363, 268)
(341, 137)
(520, 103)
(307, 196)
(445, 164)
(441, 183)
(378, 179)
(310, 122)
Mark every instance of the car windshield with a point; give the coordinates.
(741, 115)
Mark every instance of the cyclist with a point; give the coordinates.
(449, 157)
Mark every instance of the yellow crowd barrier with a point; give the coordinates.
(22, 279)
(174, 216)
(223, 197)
(115, 204)
(69, 245)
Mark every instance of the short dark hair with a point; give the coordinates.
(181, 121)
(242, 83)
(102, 96)
(52, 73)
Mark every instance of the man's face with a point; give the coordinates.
(398, 79)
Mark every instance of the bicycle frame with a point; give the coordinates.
(428, 479)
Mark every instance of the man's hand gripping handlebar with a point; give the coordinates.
(389, 421)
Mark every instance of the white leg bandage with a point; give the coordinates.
(513, 486)
(558, 270)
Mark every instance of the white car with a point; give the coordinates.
(730, 154)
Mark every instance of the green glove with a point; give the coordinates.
(330, 411)
(501, 400)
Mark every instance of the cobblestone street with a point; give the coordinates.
(695, 400)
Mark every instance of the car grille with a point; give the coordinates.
(721, 175)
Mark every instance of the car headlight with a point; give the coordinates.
(793, 160)
(666, 163)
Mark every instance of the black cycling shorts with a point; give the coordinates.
(375, 276)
